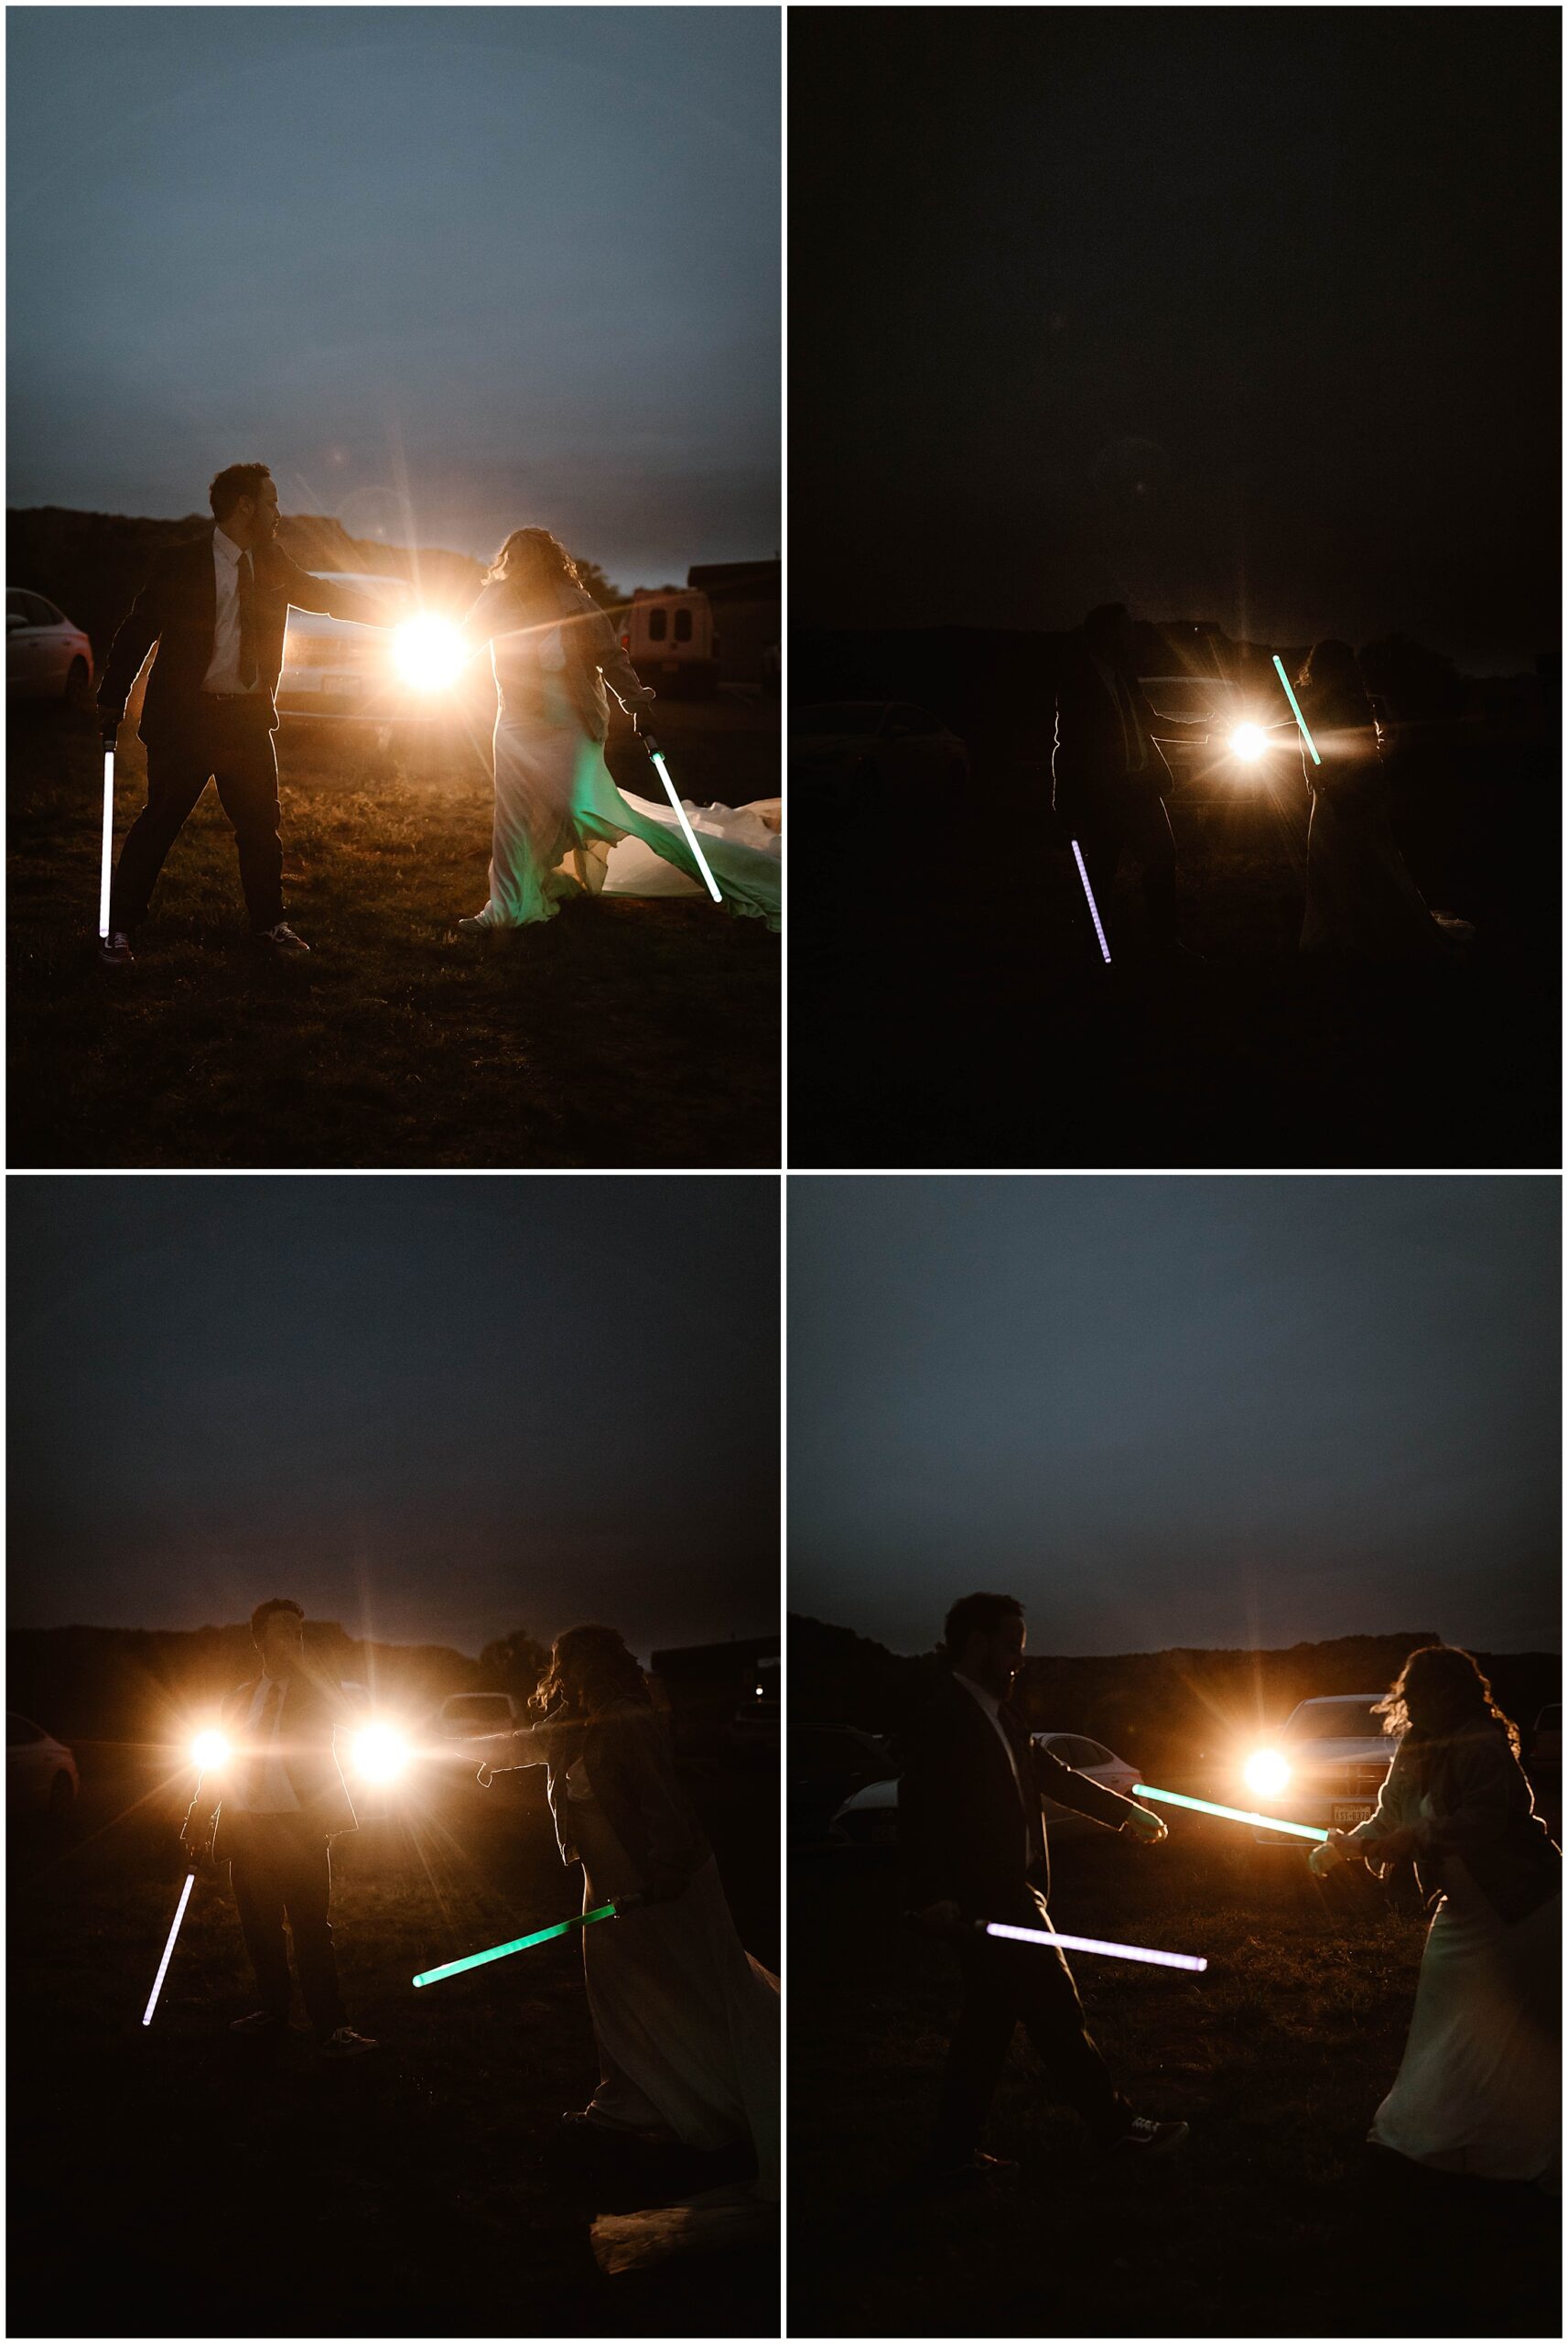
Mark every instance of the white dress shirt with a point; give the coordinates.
(274, 1793)
(224, 668)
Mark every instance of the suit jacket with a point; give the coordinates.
(632, 1768)
(1088, 752)
(177, 610)
(964, 1830)
(312, 1708)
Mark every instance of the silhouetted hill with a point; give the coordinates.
(94, 564)
(1153, 1707)
(140, 1684)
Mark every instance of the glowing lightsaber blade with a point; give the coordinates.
(1094, 909)
(516, 1945)
(163, 1965)
(658, 754)
(1230, 1814)
(108, 841)
(1096, 1945)
(1295, 712)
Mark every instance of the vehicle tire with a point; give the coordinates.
(77, 697)
(62, 1798)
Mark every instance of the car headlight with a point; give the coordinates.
(210, 1751)
(1248, 743)
(429, 652)
(381, 1753)
(1266, 1773)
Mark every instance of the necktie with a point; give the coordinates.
(261, 1749)
(245, 586)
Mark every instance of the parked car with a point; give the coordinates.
(46, 657)
(870, 1817)
(827, 1763)
(1325, 1766)
(40, 1773)
(472, 1729)
(886, 742)
(670, 639)
(412, 670)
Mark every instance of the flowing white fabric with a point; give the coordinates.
(558, 814)
(1479, 2087)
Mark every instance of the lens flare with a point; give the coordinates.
(1266, 1773)
(381, 1753)
(210, 1751)
(1248, 743)
(430, 652)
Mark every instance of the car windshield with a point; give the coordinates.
(1184, 695)
(837, 716)
(1334, 1720)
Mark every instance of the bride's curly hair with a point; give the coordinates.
(529, 558)
(590, 1668)
(1444, 1679)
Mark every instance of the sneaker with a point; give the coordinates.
(346, 2044)
(115, 949)
(282, 938)
(1146, 2137)
(259, 2023)
(475, 930)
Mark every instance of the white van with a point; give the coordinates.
(670, 640)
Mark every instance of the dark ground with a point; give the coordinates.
(623, 1034)
(948, 1006)
(171, 2181)
(1275, 2220)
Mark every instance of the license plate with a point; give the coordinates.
(342, 685)
(1351, 1811)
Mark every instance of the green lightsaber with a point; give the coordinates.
(517, 1945)
(1230, 1814)
(1301, 720)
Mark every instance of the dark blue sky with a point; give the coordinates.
(1249, 313)
(520, 262)
(1164, 1411)
(431, 1408)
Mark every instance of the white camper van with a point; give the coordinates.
(670, 640)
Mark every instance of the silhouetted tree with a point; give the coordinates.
(514, 1663)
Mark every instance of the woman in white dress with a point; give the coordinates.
(1479, 2091)
(555, 659)
(687, 2023)
(1361, 902)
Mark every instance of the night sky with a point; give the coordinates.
(1233, 313)
(522, 262)
(434, 1409)
(1177, 1412)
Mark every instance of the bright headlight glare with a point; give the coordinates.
(209, 1749)
(1248, 743)
(1266, 1771)
(430, 652)
(381, 1753)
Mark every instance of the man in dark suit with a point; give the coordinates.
(218, 611)
(972, 1835)
(271, 1813)
(1108, 779)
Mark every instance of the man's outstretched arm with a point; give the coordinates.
(329, 598)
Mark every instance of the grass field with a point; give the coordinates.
(623, 1034)
(172, 2181)
(1276, 2220)
(949, 1005)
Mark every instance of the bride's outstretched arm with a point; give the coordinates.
(530, 1746)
